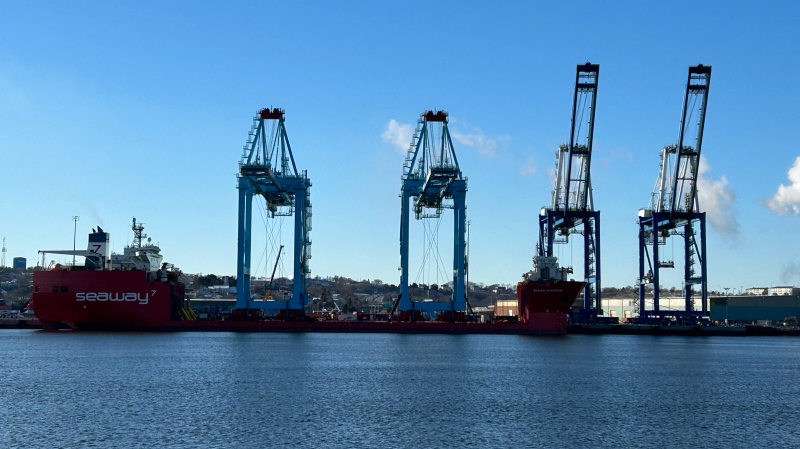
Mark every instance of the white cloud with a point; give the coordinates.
(398, 134)
(551, 175)
(14, 97)
(787, 199)
(717, 200)
(529, 167)
(618, 154)
(485, 145)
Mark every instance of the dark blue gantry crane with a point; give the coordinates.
(267, 169)
(674, 208)
(431, 178)
(572, 208)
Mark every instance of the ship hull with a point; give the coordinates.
(130, 301)
(544, 305)
(83, 298)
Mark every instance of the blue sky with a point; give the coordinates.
(112, 110)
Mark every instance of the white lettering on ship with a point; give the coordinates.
(107, 296)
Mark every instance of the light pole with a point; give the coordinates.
(469, 222)
(75, 219)
(727, 304)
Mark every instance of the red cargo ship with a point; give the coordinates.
(545, 295)
(137, 291)
(129, 290)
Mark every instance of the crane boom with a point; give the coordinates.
(684, 184)
(272, 285)
(676, 187)
(573, 181)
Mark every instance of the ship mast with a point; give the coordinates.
(138, 233)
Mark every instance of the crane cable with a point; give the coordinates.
(430, 242)
(273, 238)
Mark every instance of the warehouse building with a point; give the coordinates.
(753, 309)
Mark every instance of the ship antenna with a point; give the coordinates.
(138, 233)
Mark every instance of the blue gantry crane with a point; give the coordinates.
(267, 169)
(431, 178)
(572, 208)
(674, 209)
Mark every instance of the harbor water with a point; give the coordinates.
(73, 390)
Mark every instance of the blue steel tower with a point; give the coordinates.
(572, 208)
(431, 175)
(267, 169)
(674, 208)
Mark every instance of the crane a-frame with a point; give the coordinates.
(674, 208)
(572, 208)
(267, 169)
(431, 176)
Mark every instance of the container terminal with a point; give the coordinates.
(110, 292)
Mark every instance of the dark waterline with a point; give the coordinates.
(70, 389)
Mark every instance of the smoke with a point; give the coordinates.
(398, 134)
(92, 209)
(790, 271)
(787, 199)
(717, 200)
(85, 206)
